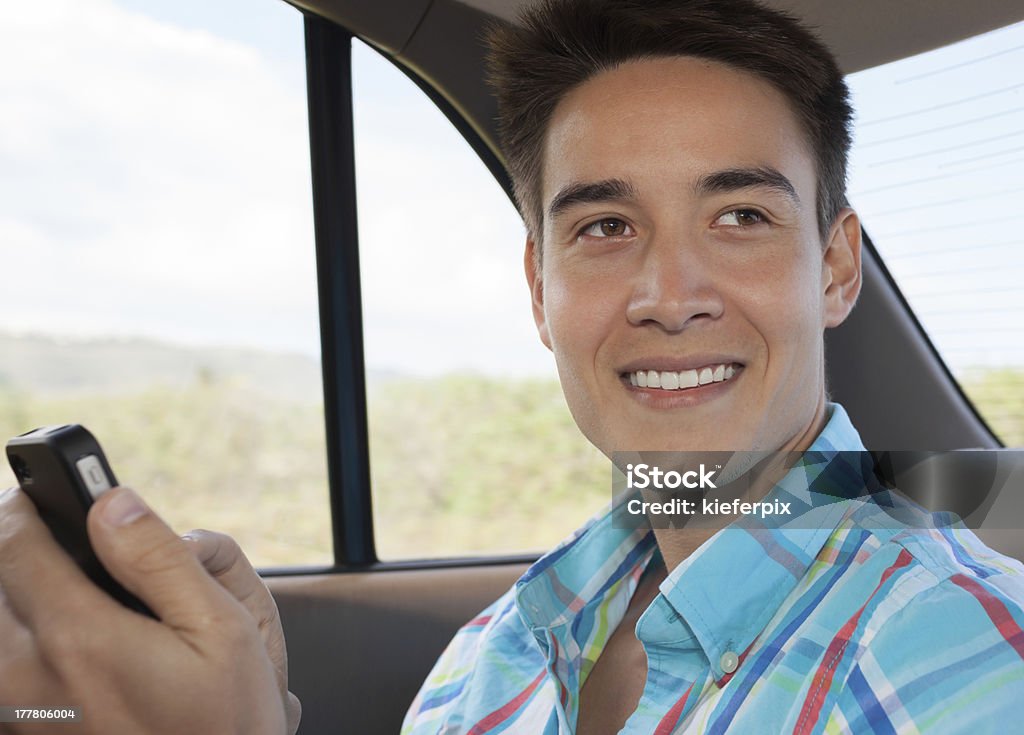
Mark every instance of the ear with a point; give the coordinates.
(841, 271)
(532, 264)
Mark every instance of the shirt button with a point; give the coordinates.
(729, 662)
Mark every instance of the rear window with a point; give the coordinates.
(936, 174)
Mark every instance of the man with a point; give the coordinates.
(680, 165)
(686, 226)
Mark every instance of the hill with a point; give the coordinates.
(65, 366)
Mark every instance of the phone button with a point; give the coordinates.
(93, 475)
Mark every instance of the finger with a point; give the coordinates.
(225, 561)
(142, 553)
(42, 586)
(293, 712)
(22, 672)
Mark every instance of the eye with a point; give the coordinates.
(740, 218)
(607, 227)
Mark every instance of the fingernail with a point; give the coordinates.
(124, 508)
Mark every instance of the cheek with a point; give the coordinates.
(795, 336)
(578, 314)
(566, 331)
(784, 305)
(575, 341)
(793, 281)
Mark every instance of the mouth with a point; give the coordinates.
(682, 380)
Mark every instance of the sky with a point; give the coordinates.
(936, 174)
(154, 176)
(154, 181)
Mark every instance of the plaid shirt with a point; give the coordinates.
(853, 625)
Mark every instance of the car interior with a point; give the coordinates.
(364, 628)
(363, 634)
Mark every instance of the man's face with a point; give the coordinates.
(681, 248)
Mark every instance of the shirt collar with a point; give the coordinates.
(579, 572)
(730, 588)
(726, 591)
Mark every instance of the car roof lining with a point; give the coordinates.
(862, 34)
(867, 33)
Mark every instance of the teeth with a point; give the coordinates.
(668, 380)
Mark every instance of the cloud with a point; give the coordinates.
(154, 180)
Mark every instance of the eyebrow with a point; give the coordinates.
(745, 178)
(727, 180)
(588, 193)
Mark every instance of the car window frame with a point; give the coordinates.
(336, 235)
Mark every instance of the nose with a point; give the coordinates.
(674, 287)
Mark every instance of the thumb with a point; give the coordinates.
(142, 553)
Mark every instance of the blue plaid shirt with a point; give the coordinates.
(856, 624)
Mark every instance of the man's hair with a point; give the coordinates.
(559, 44)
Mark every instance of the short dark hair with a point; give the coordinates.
(559, 44)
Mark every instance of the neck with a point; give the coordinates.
(676, 544)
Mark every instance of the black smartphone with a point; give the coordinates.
(63, 470)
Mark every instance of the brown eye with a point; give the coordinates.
(608, 227)
(741, 218)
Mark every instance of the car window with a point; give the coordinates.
(157, 241)
(472, 449)
(937, 170)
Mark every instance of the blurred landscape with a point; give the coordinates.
(233, 440)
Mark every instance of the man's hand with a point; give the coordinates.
(203, 668)
(226, 563)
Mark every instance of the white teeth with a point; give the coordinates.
(669, 380)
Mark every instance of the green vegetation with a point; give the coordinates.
(214, 454)
(468, 464)
(999, 397)
(461, 464)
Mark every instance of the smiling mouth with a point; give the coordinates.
(683, 379)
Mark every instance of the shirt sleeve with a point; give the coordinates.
(951, 661)
(450, 677)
